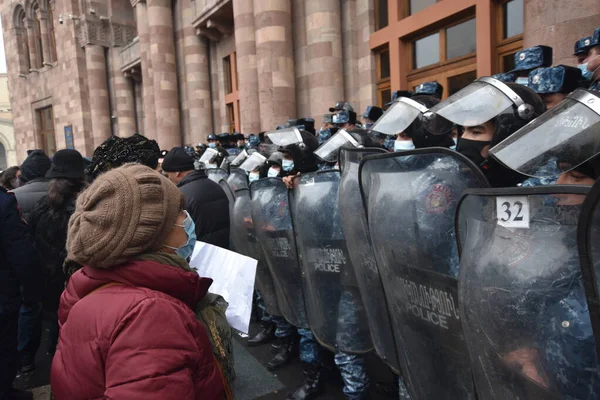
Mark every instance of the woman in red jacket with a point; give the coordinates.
(128, 327)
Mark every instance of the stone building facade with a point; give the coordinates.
(8, 153)
(177, 70)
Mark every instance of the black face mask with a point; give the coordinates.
(472, 149)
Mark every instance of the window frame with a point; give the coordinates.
(506, 46)
(443, 63)
(52, 33)
(232, 99)
(383, 84)
(441, 76)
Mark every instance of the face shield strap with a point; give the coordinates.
(524, 111)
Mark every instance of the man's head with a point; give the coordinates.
(344, 119)
(530, 59)
(177, 164)
(371, 115)
(212, 141)
(35, 166)
(582, 48)
(553, 84)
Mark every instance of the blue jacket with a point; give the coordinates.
(21, 272)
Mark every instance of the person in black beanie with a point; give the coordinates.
(205, 200)
(34, 184)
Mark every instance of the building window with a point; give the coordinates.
(232, 104)
(45, 119)
(426, 51)
(512, 13)
(384, 93)
(22, 40)
(37, 32)
(381, 14)
(461, 39)
(419, 5)
(446, 56)
(52, 33)
(509, 36)
(449, 43)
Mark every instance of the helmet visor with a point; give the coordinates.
(475, 104)
(285, 137)
(399, 116)
(329, 151)
(208, 155)
(567, 134)
(253, 162)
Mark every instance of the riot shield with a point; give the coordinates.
(335, 310)
(410, 199)
(228, 193)
(244, 240)
(217, 174)
(238, 179)
(521, 295)
(354, 226)
(273, 227)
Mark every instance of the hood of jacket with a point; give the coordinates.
(186, 286)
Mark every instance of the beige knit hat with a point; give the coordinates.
(126, 212)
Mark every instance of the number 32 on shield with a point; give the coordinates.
(513, 211)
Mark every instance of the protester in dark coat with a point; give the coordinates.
(20, 278)
(205, 200)
(128, 327)
(34, 184)
(49, 221)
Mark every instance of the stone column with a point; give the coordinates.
(33, 59)
(245, 45)
(44, 32)
(350, 57)
(147, 78)
(124, 103)
(95, 60)
(197, 79)
(367, 88)
(301, 61)
(324, 54)
(164, 72)
(274, 62)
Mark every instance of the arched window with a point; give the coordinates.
(37, 32)
(51, 32)
(22, 39)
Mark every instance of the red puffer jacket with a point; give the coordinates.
(138, 339)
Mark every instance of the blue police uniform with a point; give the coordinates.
(532, 58)
(582, 46)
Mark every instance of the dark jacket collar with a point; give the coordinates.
(193, 176)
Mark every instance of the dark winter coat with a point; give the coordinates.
(30, 193)
(137, 339)
(50, 232)
(207, 204)
(20, 268)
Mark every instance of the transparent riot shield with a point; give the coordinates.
(228, 193)
(217, 174)
(522, 301)
(356, 232)
(335, 310)
(410, 200)
(244, 241)
(588, 240)
(238, 179)
(273, 226)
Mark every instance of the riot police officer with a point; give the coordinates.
(513, 107)
(432, 88)
(590, 66)
(530, 59)
(553, 84)
(213, 141)
(371, 115)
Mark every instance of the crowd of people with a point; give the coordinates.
(99, 247)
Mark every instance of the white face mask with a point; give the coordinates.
(455, 143)
(585, 72)
(403, 145)
(210, 165)
(273, 173)
(287, 165)
(253, 176)
(522, 81)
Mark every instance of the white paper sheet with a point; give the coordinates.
(233, 275)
